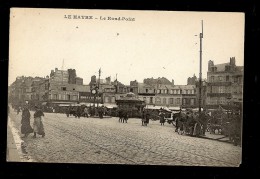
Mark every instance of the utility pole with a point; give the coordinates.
(116, 84)
(99, 72)
(200, 75)
(62, 68)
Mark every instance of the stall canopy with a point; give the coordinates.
(110, 106)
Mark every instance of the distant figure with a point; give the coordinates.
(120, 115)
(162, 120)
(26, 128)
(147, 118)
(143, 118)
(38, 125)
(85, 114)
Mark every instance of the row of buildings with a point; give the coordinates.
(224, 84)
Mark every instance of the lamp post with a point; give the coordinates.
(200, 74)
(99, 72)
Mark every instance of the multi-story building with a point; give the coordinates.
(192, 80)
(73, 79)
(146, 92)
(225, 83)
(163, 93)
(59, 76)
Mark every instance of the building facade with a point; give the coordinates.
(225, 83)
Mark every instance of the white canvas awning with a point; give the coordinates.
(175, 108)
(110, 106)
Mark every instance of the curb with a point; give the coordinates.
(12, 154)
(226, 141)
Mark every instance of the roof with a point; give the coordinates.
(144, 85)
(221, 67)
(240, 68)
(182, 87)
(79, 88)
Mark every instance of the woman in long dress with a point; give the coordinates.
(38, 125)
(26, 128)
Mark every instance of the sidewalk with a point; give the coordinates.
(217, 137)
(12, 154)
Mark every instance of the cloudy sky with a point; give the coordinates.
(155, 44)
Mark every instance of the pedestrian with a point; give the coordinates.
(26, 128)
(162, 120)
(143, 117)
(86, 112)
(38, 125)
(147, 118)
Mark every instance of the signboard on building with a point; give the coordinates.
(87, 97)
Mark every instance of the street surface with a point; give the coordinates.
(106, 141)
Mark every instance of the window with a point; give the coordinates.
(170, 100)
(164, 100)
(222, 89)
(144, 98)
(184, 101)
(212, 79)
(113, 99)
(220, 78)
(158, 100)
(106, 99)
(63, 88)
(158, 91)
(75, 97)
(131, 90)
(151, 100)
(191, 101)
(187, 91)
(68, 97)
(171, 91)
(227, 78)
(55, 96)
(178, 100)
(146, 90)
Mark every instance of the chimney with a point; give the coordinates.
(232, 61)
(108, 80)
(172, 81)
(56, 69)
(210, 64)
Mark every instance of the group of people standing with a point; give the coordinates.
(38, 127)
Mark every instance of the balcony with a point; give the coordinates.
(224, 83)
(219, 95)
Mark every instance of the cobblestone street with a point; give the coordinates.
(106, 141)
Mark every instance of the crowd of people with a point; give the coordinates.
(185, 121)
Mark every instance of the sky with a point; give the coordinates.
(156, 44)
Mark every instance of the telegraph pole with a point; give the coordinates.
(99, 72)
(200, 75)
